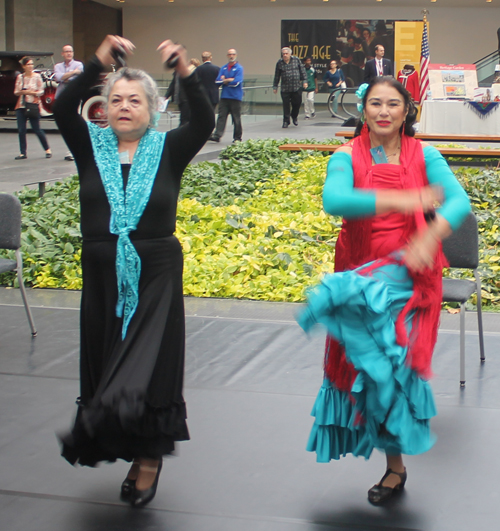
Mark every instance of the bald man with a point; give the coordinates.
(231, 79)
(208, 73)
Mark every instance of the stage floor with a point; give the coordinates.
(251, 380)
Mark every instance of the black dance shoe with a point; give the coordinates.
(379, 494)
(127, 489)
(128, 485)
(139, 498)
(285, 125)
(295, 122)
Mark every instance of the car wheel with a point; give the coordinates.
(93, 111)
(48, 98)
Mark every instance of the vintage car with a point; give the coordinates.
(10, 67)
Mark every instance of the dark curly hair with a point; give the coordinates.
(409, 105)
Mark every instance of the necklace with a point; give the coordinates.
(395, 153)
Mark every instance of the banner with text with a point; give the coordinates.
(350, 42)
(311, 38)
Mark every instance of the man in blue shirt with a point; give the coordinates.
(231, 78)
(67, 70)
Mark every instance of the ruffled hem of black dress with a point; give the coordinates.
(127, 429)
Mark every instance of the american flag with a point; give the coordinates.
(424, 63)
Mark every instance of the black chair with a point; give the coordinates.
(462, 251)
(10, 238)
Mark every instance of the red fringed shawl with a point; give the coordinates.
(353, 249)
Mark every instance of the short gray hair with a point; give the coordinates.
(289, 50)
(147, 83)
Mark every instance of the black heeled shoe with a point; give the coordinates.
(127, 488)
(379, 494)
(139, 498)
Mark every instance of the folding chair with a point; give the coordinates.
(10, 238)
(462, 251)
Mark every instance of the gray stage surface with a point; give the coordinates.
(251, 379)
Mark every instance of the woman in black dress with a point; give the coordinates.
(132, 315)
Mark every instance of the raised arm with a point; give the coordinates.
(184, 142)
(71, 124)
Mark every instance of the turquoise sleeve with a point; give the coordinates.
(339, 196)
(456, 204)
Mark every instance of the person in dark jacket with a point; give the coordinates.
(208, 72)
(380, 66)
(293, 79)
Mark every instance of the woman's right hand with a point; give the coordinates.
(111, 43)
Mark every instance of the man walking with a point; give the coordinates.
(231, 79)
(208, 73)
(64, 72)
(293, 79)
(311, 89)
(378, 66)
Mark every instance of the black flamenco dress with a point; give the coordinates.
(131, 402)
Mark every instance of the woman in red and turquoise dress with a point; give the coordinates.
(381, 307)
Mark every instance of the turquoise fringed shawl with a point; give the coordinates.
(126, 208)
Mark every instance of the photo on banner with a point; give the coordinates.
(351, 42)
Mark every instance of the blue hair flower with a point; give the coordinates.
(360, 93)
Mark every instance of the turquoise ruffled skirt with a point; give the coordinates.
(389, 406)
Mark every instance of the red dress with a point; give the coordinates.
(375, 393)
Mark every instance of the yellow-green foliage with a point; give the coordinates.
(251, 227)
(268, 247)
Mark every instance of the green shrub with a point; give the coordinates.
(251, 226)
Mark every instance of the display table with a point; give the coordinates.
(457, 117)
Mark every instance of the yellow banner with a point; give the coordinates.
(407, 44)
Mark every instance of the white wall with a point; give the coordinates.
(459, 35)
(43, 25)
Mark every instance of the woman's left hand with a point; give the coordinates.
(109, 46)
(169, 49)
